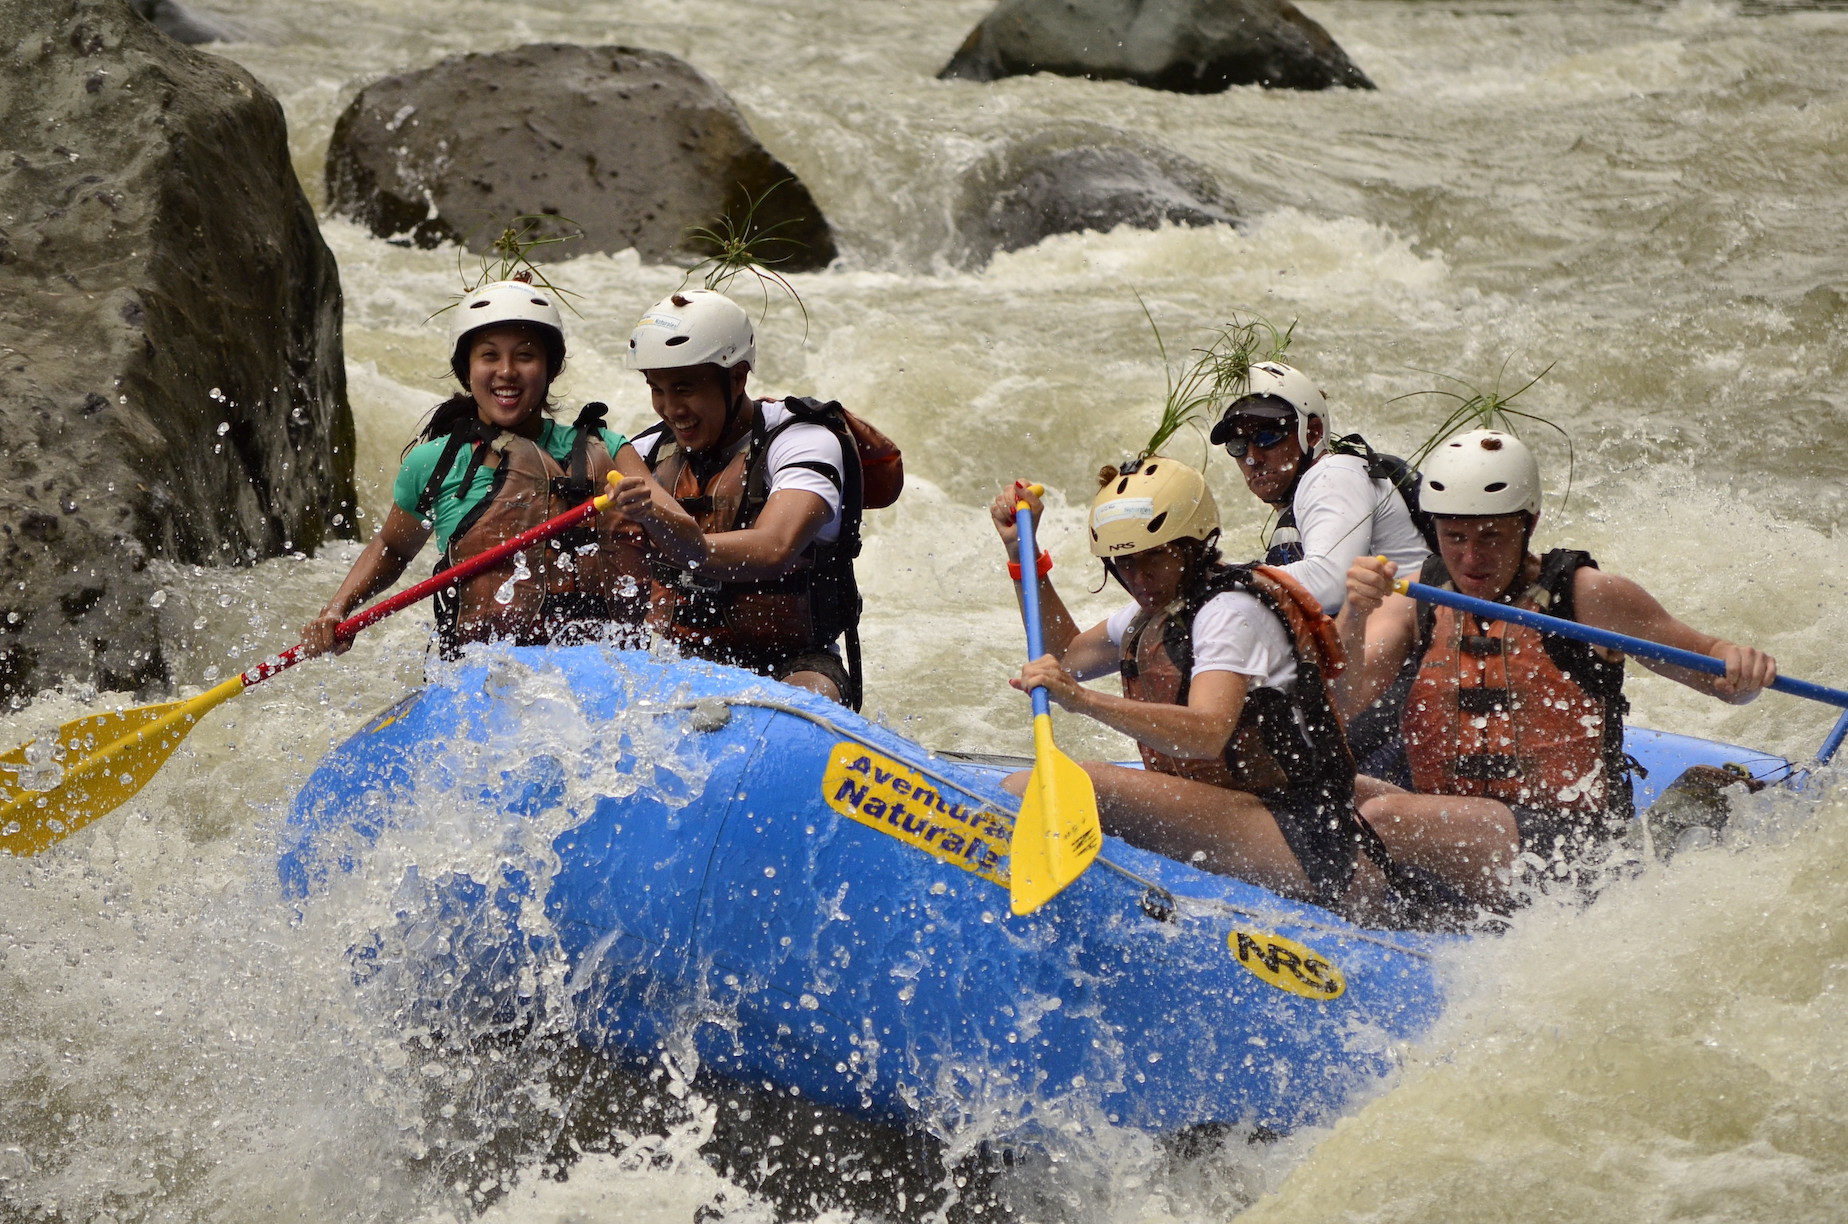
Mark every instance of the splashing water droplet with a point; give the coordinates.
(224, 427)
(520, 574)
(157, 599)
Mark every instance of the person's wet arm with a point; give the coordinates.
(1608, 601)
(1376, 628)
(381, 563)
(1198, 730)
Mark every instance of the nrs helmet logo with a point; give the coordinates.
(1287, 965)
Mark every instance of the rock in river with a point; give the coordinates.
(171, 379)
(636, 147)
(1059, 182)
(1188, 46)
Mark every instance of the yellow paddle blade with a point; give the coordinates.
(1056, 834)
(49, 790)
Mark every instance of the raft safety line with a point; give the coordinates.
(1155, 891)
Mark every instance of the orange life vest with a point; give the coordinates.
(573, 585)
(754, 624)
(1289, 749)
(1505, 712)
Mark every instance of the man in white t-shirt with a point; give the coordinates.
(1335, 498)
(750, 548)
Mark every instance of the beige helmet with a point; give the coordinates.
(1162, 501)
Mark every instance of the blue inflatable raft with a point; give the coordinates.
(700, 860)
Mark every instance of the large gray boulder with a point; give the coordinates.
(1188, 46)
(171, 380)
(634, 146)
(1061, 182)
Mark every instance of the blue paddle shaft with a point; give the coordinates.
(1834, 740)
(1616, 641)
(1029, 599)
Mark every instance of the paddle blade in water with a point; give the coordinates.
(51, 788)
(1056, 834)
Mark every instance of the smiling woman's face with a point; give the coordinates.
(508, 376)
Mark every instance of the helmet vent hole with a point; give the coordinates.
(673, 340)
(1496, 487)
(478, 305)
(1122, 484)
(539, 301)
(1438, 485)
(1151, 469)
(1156, 522)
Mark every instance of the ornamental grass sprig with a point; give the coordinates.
(509, 257)
(1219, 374)
(739, 246)
(1488, 409)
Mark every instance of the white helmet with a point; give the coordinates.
(508, 301)
(1480, 473)
(693, 327)
(1289, 384)
(1162, 501)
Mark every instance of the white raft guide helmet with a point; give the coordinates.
(1275, 380)
(502, 302)
(693, 327)
(1479, 474)
(1162, 501)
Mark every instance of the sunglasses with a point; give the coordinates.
(1239, 445)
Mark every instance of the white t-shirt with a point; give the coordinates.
(1342, 515)
(797, 444)
(1232, 632)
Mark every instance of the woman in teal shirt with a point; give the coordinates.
(491, 464)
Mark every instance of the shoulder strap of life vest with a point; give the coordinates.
(575, 487)
(1407, 480)
(473, 432)
(807, 411)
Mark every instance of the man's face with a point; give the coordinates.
(694, 400)
(1272, 455)
(1483, 555)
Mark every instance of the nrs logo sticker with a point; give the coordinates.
(1287, 965)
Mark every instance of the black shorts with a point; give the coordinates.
(1548, 832)
(1324, 835)
(783, 666)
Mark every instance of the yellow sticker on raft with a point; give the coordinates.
(888, 795)
(1287, 965)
